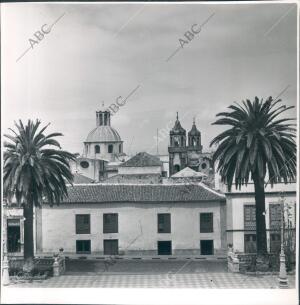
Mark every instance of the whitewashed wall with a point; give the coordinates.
(137, 227)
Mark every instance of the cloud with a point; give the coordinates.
(98, 52)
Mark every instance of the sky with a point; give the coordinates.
(97, 52)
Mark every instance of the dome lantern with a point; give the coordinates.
(103, 116)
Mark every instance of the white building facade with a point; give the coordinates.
(135, 220)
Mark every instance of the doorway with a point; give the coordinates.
(111, 246)
(164, 247)
(13, 235)
(207, 247)
(250, 243)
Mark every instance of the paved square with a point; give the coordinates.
(155, 274)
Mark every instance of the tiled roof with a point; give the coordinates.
(79, 179)
(187, 172)
(131, 176)
(104, 193)
(142, 159)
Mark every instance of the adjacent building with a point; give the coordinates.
(142, 168)
(241, 215)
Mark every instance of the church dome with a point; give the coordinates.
(103, 133)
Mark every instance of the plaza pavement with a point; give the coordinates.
(155, 274)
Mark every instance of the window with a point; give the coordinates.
(164, 174)
(110, 223)
(111, 246)
(84, 164)
(83, 246)
(13, 235)
(164, 223)
(206, 247)
(176, 141)
(97, 149)
(110, 148)
(83, 224)
(176, 168)
(203, 165)
(250, 243)
(164, 247)
(120, 148)
(206, 223)
(249, 217)
(275, 216)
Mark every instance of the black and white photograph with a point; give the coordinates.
(149, 152)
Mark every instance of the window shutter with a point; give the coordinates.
(83, 224)
(110, 223)
(206, 223)
(164, 223)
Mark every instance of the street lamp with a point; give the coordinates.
(283, 281)
(5, 264)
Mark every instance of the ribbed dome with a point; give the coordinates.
(103, 134)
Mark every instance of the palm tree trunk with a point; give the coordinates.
(28, 236)
(261, 236)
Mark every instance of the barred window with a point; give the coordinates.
(249, 217)
(206, 223)
(275, 216)
(83, 224)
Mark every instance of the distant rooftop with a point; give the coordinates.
(187, 173)
(79, 179)
(142, 159)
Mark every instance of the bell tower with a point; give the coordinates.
(177, 148)
(194, 139)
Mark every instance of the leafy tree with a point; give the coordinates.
(34, 172)
(258, 145)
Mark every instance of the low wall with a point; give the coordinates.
(246, 262)
(54, 266)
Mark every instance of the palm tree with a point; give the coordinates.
(34, 172)
(258, 146)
